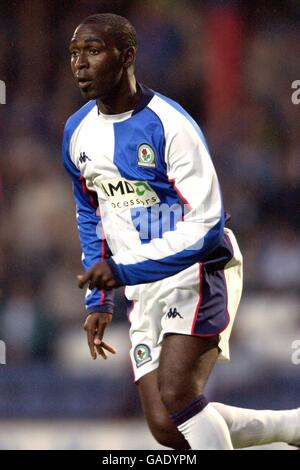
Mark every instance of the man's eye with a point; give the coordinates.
(74, 53)
(94, 51)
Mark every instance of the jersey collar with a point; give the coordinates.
(146, 96)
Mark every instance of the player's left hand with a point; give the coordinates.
(98, 276)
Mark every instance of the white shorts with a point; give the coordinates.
(199, 301)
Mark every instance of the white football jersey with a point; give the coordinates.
(147, 195)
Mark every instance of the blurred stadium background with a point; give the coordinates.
(231, 64)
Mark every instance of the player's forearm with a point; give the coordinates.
(167, 256)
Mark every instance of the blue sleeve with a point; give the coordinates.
(94, 246)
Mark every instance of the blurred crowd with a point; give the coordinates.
(230, 64)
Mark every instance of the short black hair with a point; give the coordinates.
(118, 27)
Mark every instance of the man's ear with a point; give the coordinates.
(129, 56)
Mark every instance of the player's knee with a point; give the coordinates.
(172, 394)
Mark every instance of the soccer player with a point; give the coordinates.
(150, 217)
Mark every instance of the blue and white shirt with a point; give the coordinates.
(147, 195)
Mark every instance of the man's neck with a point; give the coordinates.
(123, 99)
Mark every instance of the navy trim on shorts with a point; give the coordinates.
(211, 315)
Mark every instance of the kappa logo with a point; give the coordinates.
(172, 313)
(126, 194)
(83, 157)
(146, 156)
(142, 354)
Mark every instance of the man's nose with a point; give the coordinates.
(81, 62)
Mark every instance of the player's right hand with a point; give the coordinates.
(94, 326)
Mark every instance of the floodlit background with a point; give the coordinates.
(231, 64)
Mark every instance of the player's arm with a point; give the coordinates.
(98, 303)
(191, 170)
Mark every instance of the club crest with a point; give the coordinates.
(142, 354)
(146, 156)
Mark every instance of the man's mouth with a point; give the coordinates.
(83, 83)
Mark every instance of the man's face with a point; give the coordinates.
(95, 61)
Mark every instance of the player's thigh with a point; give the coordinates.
(185, 365)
